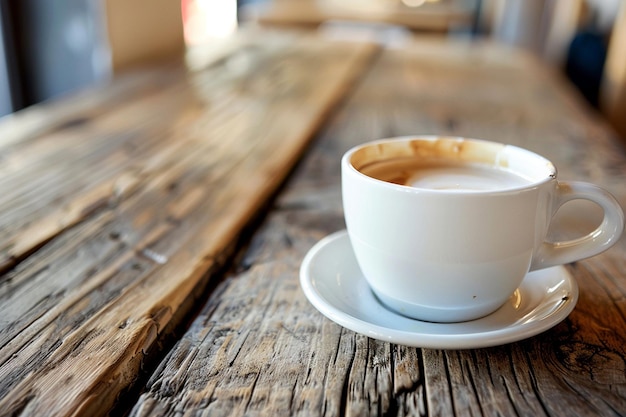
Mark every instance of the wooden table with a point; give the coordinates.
(150, 245)
(440, 16)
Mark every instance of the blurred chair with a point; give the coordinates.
(544, 27)
(52, 48)
(143, 30)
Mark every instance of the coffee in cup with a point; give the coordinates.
(443, 175)
(445, 229)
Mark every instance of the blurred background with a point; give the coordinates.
(54, 47)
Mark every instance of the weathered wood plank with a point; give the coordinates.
(259, 348)
(195, 157)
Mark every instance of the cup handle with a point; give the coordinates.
(602, 238)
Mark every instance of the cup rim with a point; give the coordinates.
(541, 161)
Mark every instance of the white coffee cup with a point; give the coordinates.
(449, 252)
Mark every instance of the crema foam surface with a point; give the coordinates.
(438, 176)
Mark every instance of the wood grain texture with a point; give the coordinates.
(113, 221)
(259, 348)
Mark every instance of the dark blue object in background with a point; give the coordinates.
(585, 63)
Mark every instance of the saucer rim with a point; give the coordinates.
(459, 340)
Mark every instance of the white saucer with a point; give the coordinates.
(334, 284)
